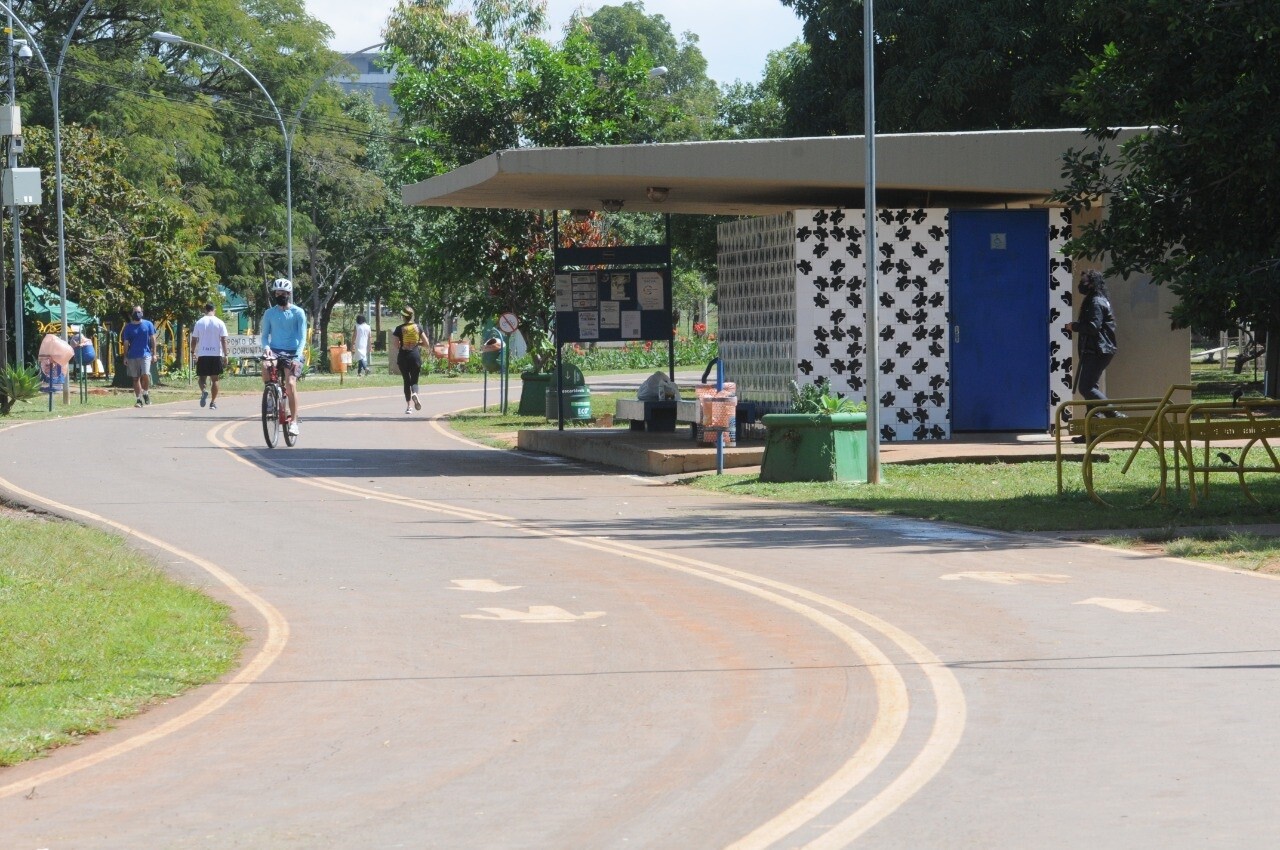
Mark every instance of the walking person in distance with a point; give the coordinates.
(360, 345)
(1097, 329)
(412, 338)
(209, 343)
(139, 337)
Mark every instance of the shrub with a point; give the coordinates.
(17, 385)
(818, 398)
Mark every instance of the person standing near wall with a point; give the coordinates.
(360, 344)
(209, 342)
(139, 337)
(411, 338)
(1097, 329)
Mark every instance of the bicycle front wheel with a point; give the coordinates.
(271, 414)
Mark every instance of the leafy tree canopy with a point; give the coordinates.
(472, 84)
(940, 64)
(124, 246)
(1191, 202)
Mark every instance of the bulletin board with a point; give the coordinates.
(614, 305)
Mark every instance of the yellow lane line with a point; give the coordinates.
(277, 635)
(892, 698)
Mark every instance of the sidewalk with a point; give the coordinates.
(676, 453)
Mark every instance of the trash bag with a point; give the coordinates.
(658, 387)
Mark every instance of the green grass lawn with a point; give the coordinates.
(93, 632)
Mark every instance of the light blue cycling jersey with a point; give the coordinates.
(284, 329)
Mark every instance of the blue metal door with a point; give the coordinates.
(999, 307)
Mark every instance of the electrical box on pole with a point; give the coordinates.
(22, 187)
(10, 120)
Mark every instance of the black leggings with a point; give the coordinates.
(410, 362)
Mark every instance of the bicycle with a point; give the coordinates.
(275, 401)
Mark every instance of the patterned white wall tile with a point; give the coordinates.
(911, 314)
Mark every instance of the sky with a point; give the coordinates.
(735, 36)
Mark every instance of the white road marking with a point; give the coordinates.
(887, 725)
(483, 585)
(535, 614)
(1008, 578)
(1124, 606)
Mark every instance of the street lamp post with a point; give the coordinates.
(170, 38)
(869, 216)
(55, 88)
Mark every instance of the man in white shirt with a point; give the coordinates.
(209, 343)
(360, 344)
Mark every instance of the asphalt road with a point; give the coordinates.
(459, 647)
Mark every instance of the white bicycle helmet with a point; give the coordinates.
(281, 284)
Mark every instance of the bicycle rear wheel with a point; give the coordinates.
(271, 414)
(290, 438)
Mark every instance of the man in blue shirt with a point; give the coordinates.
(139, 337)
(284, 331)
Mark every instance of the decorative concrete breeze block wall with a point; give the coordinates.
(792, 306)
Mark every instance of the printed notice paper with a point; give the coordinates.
(630, 324)
(564, 294)
(609, 312)
(618, 286)
(589, 325)
(649, 290)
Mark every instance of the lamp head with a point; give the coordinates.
(167, 37)
(659, 71)
(657, 194)
(612, 205)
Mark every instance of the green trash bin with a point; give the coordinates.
(575, 404)
(533, 392)
(574, 401)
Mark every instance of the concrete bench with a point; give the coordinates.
(647, 415)
(662, 416)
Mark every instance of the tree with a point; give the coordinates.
(940, 64)
(1191, 201)
(759, 110)
(124, 246)
(684, 102)
(472, 84)
(189, 129)
(347, 203)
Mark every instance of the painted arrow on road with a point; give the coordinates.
(1124, 606)
(535, 614)
(1009, 578)
(483, 585)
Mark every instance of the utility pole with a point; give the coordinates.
(11, 163)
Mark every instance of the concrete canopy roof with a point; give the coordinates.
(764, 176)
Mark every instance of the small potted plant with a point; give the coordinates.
(823, 438)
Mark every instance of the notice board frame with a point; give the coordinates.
(604, 262)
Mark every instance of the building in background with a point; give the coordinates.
(373, 79)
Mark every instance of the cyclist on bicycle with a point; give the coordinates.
(284, 332)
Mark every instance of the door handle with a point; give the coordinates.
(955, 334)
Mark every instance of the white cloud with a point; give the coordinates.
(734, 35)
